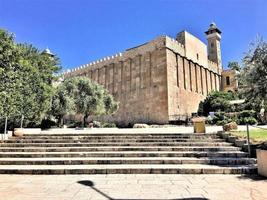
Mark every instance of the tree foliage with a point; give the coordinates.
(216, 101)
(82, 96)
(253, 76)
(234, 66)
(26, 77)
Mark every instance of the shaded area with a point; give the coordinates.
(253, 177)
(90, 184)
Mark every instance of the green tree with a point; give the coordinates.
(216, 101)
(253, 76)
(9, 63)
(234, 66)
(36, 77)
(26, 77)
(80, 95)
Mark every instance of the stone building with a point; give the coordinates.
(162, 80)
(229, 80)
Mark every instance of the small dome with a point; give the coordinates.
(48, 52)
(213, 28)
(213, 25)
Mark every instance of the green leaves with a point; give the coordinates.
(234, 66)
(81, 96)
(253, 77)
(25, 79)
(216, 101)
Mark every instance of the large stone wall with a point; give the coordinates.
(137, 79)
(188, 84)
(154, 82)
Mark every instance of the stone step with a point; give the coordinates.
(128, 169)
(197, 154)
(127, 160)
(123, 137)
(109, 141)
(117, 148)
(120, 134)
(115, 144)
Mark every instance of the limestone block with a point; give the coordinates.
(262, 162)
(141, 126)
(230, 126)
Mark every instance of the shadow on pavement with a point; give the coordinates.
(90, 184)
(253, 177)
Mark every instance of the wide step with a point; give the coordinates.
(127, 169)
(234, 154)
(127, 160)
(117, 148)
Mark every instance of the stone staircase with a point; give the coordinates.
(122, 153)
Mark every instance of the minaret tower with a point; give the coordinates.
(213, 35)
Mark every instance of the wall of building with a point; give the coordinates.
(156, 82)
(188, 84)
(233, 83)
(138, 80)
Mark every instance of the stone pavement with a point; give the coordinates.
(132, 187)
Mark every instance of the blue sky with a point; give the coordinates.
(80, 31)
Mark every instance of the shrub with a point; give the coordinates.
(247, 117)
(247, 113)
(216, 101)
(223, 122)
(47, 123)
(247, 120)
(209, 120)
(75, 124)
(108, 125)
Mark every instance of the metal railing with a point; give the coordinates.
(5, 133)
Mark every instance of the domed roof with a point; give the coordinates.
(48, 52)
(213, 25)
(213, 28)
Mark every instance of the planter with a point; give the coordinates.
(18, 132)
(262, 162)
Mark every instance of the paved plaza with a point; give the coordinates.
(132, 187)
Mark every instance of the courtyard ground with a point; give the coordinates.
(132, 187)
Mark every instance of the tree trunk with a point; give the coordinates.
(61, 121)
(84, 120)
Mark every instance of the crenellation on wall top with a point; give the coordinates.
(175, 45)
(94, 64)
(157, 43)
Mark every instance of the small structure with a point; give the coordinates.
(48, 52)
(229, 80)
(199, 125)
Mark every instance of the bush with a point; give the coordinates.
(247, 117)
(216, 101)
(247, 120)
(108, 125)
(209, 120)
(75, 124)
(223, 122)
(247, 113)
(47, 123)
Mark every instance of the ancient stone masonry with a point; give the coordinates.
(157, 82)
